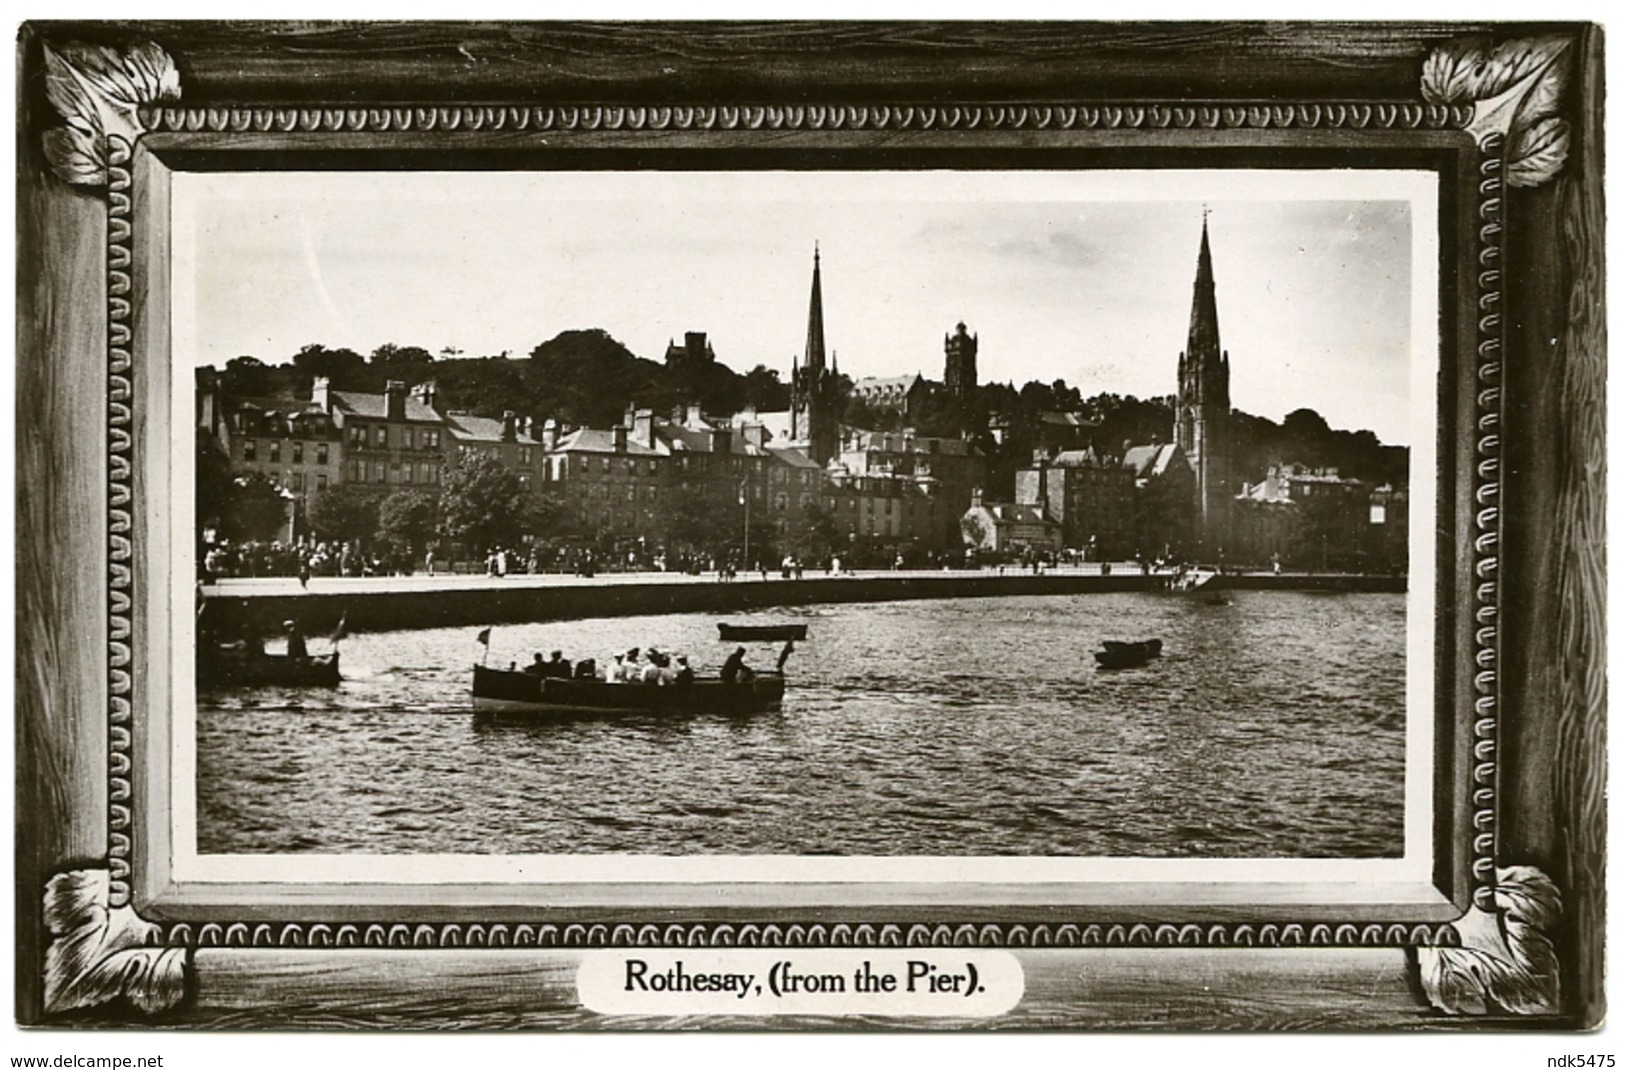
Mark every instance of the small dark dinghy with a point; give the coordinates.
(228, 667)
(763, 633)
(1120, 655)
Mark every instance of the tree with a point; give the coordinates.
(246, 376)
(407, 521)
(344, 513)
(390, 354)
(214, 486)
(819, 534)
(256, 509)
(764, 389)
(689, 522)
(547, 519)
(342, 366)
(482, 504)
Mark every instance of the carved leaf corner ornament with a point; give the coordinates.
(100, 953)
(1516, 91)
(1506, 963)
(99, 91)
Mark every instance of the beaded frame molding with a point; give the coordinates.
(1497, 957)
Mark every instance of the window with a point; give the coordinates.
(298, 481)
(524, 455)
(434, 438)
(248, 449)
(649, 494)
(378, 473)
(406, 473)
(298, 453)
(358, 471)
(276, 452)
(321, 453)
(631, 494)
(380, 435)
(321, 480)
(781, 503)
(606, 464)
(651, 466)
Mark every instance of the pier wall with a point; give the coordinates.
(485, 602)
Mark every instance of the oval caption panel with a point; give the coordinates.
(949, 983)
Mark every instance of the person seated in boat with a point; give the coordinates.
(537, 667)
(651, 669)
(586, 669)
(734, 670)
(632, 667)
(682, 676)
(616, 673)
(296, 640)
(556, 666)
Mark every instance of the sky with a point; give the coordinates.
(1080, 275)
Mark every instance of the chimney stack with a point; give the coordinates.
(509, 429)
(395, 401)
(550, 434)
(643, 427)
(320, 395)
(620, 438)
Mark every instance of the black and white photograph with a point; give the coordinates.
(1044, 587)
(810, 526)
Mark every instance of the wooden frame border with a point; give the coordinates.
(91, 110)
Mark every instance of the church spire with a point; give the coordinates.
(814, 358)
(1203, 343)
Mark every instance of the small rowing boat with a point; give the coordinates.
(1120, 655)
(228, 667)
(764, 633)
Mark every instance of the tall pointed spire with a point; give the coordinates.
(1203, 343)
(814, 358)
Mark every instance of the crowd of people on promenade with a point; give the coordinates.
(307, 558)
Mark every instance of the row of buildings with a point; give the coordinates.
(812, 471)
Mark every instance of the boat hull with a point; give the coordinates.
(503, 695)
(236, 668)
(1119, 655)
(767, 633)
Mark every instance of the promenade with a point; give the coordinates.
(387, 603)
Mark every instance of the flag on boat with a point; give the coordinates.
(342, 631)
(484, 638)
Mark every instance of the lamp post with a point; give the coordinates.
(744, 499)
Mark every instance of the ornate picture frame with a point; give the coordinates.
(1507, 932)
